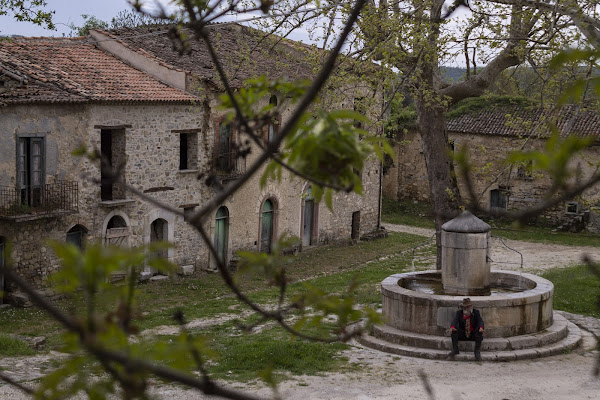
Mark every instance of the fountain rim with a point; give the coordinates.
(543, 290)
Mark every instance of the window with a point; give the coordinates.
(76, 236)
(112, 146)
(222, 232)
(355, 228)
(2, 261)
(30, 170)
(225, 155)
(572, 207)
(188, 151)
(498, 199)
(266, 226)
(273, 128)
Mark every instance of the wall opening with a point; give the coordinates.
(309, 219)
(76, 236)
(266, 226)
(3, 257)
(355, 229)
(159, 233)
(498, 200)
(117, 232)
(112, 146)
(188, 151)
(222, 233)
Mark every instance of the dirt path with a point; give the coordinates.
(536, 256)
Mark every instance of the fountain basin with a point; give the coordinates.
(525, 309)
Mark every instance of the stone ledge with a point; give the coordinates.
(570, 342)
(116, 203)
(554, 333)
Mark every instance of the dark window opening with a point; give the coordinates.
(188, 151)
(30, 170)
(76, 236)
(112, 146)
(225, 155)
(2, 263)
(572, 208)
(355, 233)
(360, 107)
(183, 151)
(498, 199)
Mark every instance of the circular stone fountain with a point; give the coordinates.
(516, 307)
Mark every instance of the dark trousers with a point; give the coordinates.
(459, 334)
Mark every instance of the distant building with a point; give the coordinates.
(153, 113)
(491, 135)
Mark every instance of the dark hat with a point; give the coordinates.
(466, 302)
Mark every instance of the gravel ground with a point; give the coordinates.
(376, 375)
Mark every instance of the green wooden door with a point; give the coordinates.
(221, 227)
(266, 227)
(307, 233)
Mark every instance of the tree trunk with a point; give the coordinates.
(445, 197)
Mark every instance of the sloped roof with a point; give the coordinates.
(244, 52)
(514, 121)
(73, 70)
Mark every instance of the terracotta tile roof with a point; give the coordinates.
(513, 121)
(74, 70)
(244, 52)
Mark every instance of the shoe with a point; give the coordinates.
(477, 356)
(452, 354)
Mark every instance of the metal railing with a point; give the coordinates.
(58, 197)
(230, 165)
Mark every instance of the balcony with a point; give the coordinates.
(48, 200)
(230, 165)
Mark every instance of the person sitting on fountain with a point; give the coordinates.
(467, 325)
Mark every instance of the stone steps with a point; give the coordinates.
(564, 336)
(557, 331)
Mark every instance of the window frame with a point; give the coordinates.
(26, 188)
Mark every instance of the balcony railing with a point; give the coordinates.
(230, 165)
(50, 199)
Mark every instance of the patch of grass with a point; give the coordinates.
(576, 290)
(241, 357)
(407, 212)
(11, 347)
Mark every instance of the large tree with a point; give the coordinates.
(416, 38)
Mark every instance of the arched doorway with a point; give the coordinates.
(117, 232)
(159, 233)
(2, 264)
(222, 232)
(309, 218)
(266, 226)
(76, 236)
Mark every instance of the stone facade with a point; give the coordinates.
(146, 138)
(492, 176)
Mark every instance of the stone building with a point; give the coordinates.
(490, 136)
(154, 115)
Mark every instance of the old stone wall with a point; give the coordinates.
(151, 137)
(407, 179)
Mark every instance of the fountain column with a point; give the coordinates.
(465, 256)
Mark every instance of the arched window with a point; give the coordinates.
(2, 263)
(222, 232)
(266, 226)
(273, 128)
(76, 235)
